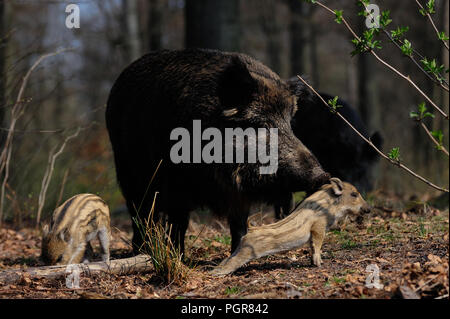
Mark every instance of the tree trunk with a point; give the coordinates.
(304, 59)
(155, 17)
(132, 27)
(367, 89)
(137, 264)
(212, 24)
(313, 56)
(298, 37)
(442, 164)
(272, 30)
(2, 68)
(445, 59)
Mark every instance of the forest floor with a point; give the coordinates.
(407, 241)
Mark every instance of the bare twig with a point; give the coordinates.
(439, 146)
(432, 23)
(390, 67)
(63, 184)
(4, 183)
(49, 172)
(368, 141)
(444, 87)
(16, 112)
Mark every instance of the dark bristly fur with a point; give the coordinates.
(168, 89)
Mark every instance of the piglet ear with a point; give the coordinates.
(337, 186)
(236, 85)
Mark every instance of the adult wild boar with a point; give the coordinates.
(167, 90)
(339, 150)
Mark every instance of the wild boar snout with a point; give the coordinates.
(306, 173)
(365, 209)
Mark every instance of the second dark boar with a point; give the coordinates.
(165, 90)
(340, 151)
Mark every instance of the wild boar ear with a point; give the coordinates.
(337, 186)
(297, 88)
(236, 86)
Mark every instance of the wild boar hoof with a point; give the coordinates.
(219, 272)
(317, 260)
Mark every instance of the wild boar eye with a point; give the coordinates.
(59, 259)
(354, 194)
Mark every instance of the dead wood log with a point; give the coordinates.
(136, 264)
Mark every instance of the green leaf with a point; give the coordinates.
(413, 115)
(363, 13)
(422, 108)
(338, 14)
(406, 48)
(384, 19)
(438, 135)
(333, 104)
(430, 7)
(432, 67)
(442, 36)
(394, 154)
(366, 42)
(399, 32)
(422, 112)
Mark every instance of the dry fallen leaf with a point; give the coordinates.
(434, 259)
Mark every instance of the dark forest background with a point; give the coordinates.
(69, 90)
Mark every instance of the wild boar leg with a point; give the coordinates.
(243, 253)
(238, 227)
(285, 205)
(103, 237)
(78, 252)
(89, 253)
(179, 221)
(318, 230)
(262, 242)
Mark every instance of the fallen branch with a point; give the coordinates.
(136, 264)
